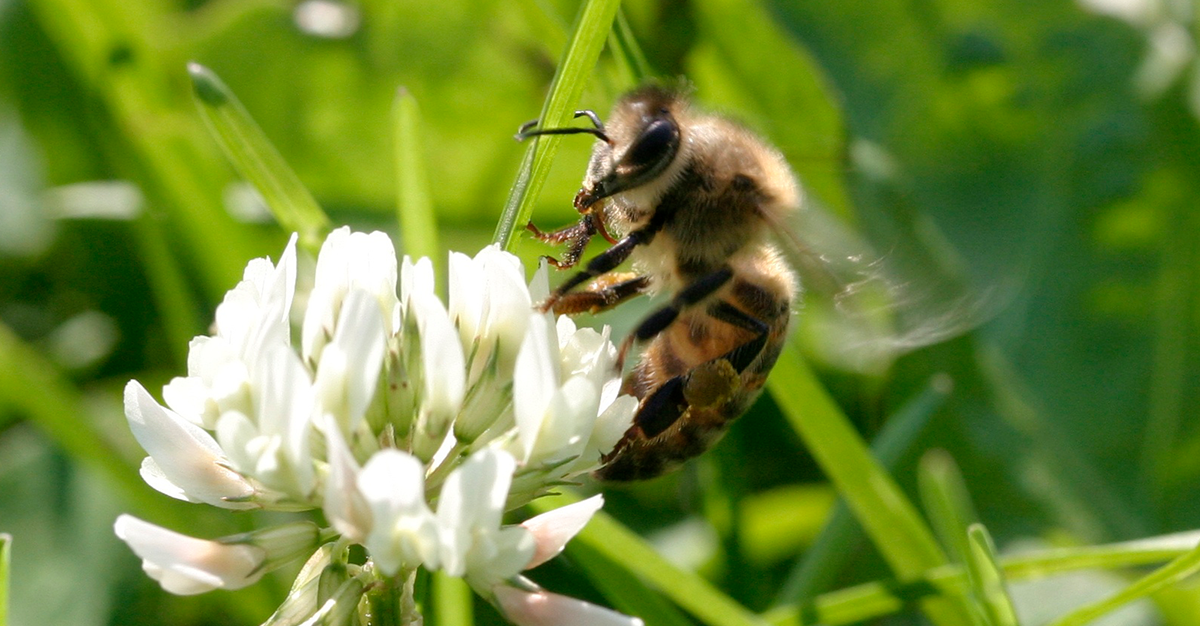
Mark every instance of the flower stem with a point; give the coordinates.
(433, 482)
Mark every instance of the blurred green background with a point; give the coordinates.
(1047, 154)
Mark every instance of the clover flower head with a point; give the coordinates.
(412, 424)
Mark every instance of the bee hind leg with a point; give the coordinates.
(605, 292)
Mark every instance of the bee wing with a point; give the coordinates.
(865, 306)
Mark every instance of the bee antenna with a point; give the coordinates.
(528, 129)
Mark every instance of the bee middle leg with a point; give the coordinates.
(603, 263)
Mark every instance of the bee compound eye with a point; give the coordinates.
(655, 146)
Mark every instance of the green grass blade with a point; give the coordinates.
(5, 560)
(1171, 573)
(414, 203)
(888, 517)
(879, 598)
(256, 159)
(583, 49)
(453, 602)
(987, 579)
(634, 557)
(825, 558)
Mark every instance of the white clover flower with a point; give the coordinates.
(414, 426)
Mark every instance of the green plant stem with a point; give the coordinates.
(583, 49)
(452, 601)
(1169, 574)
(414, 203)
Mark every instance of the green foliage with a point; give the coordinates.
(1027, 153)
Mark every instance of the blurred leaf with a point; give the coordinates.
(1169, 574)
(34, 388)
(779, 522)
(885, 513)
(257, 160)
(947, 502)
(627, 51)
(876, 599)
(587, 39)
(821, 563)
(629, 594)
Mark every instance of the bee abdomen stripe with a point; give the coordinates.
(742, 356)
(698, 290)
(757, 300)
(662, 408)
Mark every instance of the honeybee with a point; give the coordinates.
(693, 199)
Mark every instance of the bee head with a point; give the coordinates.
(643, 139)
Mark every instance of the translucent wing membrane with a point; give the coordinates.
(864, 305)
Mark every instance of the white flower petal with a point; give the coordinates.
(185, 565)
(472, 500)
(442, 362)
(344, 507)
(359, 343)
(188, 396)
(403, 531)
(553, 529)
(499, 555)
(238, 435)
(152, 474)
(611, 425)
(286, 405)
(415, 277)
(507, 302)
(349, 260)
(535, 381)
(466, 292)
(187, 456)
(543, 608)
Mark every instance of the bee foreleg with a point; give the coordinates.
(577, 237)
(604, 262)
(603, 293)
(659, 320)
